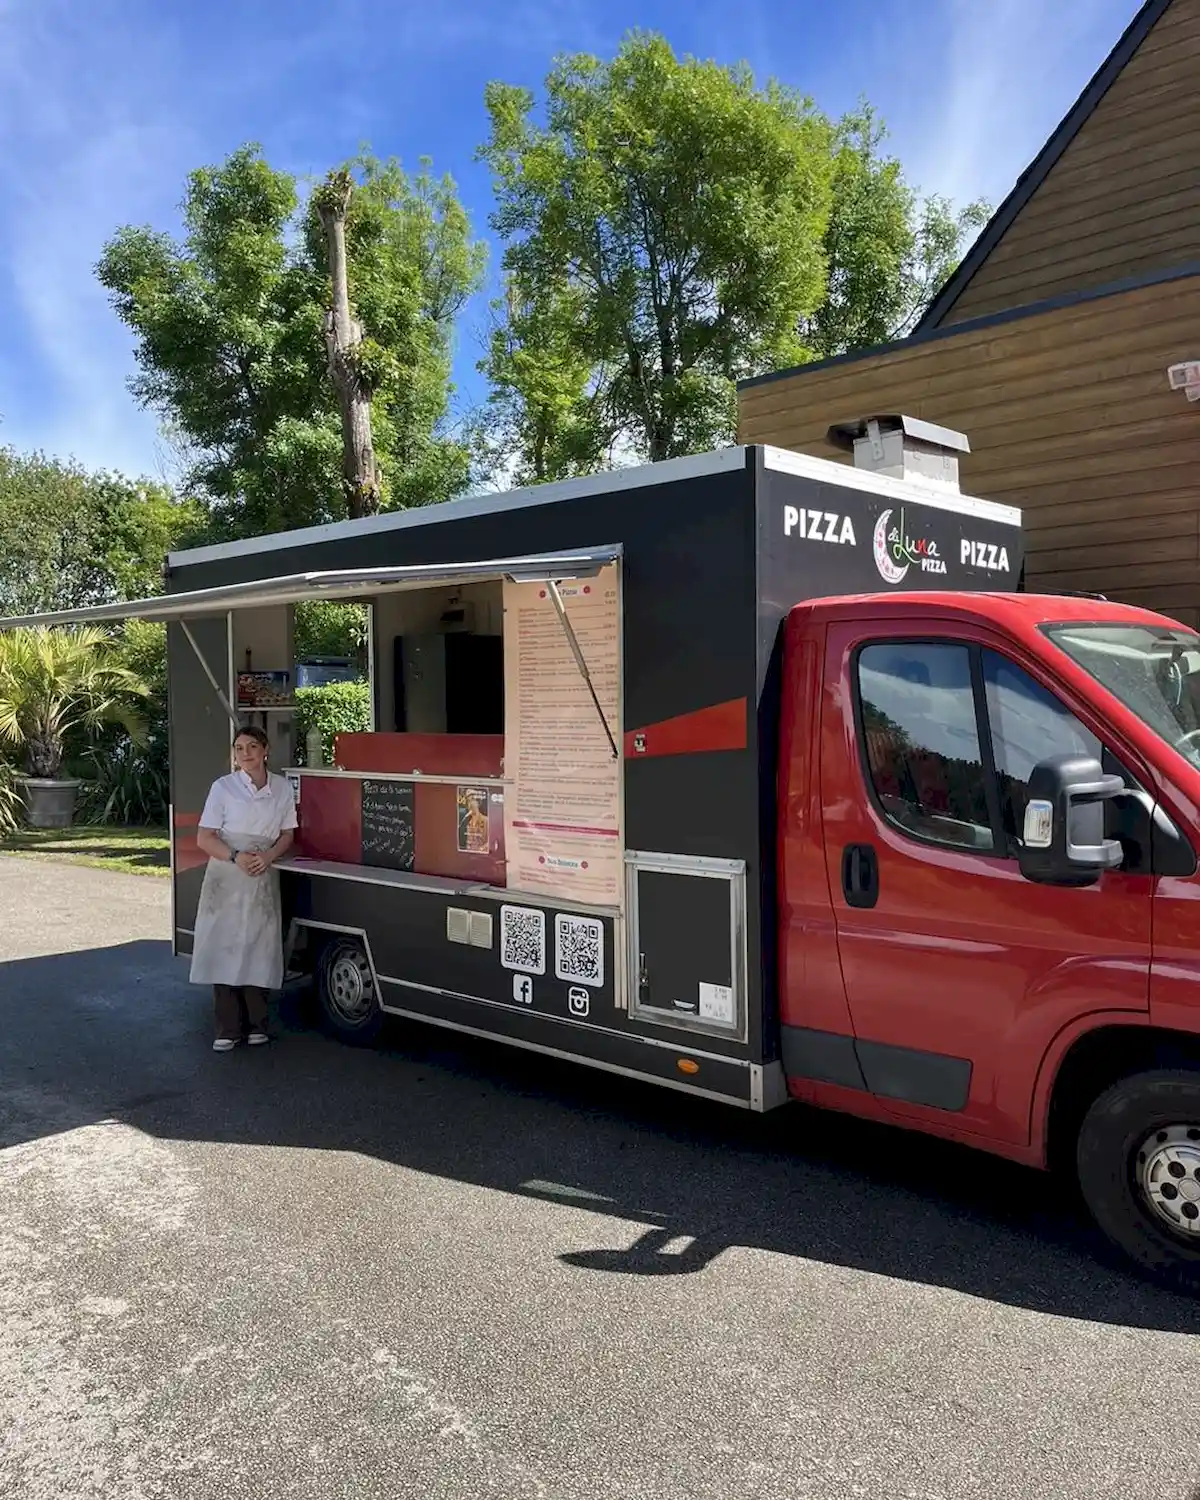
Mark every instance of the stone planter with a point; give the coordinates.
(49, 804)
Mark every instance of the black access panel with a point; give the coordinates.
(683, 941)
(689, 933)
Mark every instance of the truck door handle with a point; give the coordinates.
(860, 875)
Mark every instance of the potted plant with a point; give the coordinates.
(52, 684)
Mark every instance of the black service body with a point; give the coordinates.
(715, 551)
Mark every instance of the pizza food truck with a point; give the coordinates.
(748, 774)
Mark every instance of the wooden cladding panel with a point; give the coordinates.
(1094, 192)
(1124, 197)
(1032, 356)
(1060, 272)
(1069, 416)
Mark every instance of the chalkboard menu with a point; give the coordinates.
(387, 824)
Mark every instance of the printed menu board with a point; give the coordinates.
(562, 804)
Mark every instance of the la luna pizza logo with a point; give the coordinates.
(896, 550)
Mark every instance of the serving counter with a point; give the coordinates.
(422, 804)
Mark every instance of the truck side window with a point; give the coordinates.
(922, 741)
(1028, 723)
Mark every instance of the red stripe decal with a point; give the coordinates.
(719, 727)
(188, 854)
(595, 833)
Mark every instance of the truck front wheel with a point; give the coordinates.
(346, 986)
(1138, 1158)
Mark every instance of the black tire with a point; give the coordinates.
(346, 989)
(1124, 1132)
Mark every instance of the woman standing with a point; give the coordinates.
(246, 825)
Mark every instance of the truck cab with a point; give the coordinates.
(988, 810)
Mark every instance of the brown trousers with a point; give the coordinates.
(230, 1003)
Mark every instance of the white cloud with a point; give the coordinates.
(997, 79)
(84, 351)
(87, 141)
(104, 109)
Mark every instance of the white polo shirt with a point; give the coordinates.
(236, 804)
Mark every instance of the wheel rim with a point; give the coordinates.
(1167, 1168)
(348, 986)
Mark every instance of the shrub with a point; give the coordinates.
(125, 784)
(337, 708)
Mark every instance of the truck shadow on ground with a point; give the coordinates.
(117, 1033)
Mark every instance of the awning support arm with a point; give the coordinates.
(573, 642)
(207, 670)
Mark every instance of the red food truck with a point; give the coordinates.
(752, 775)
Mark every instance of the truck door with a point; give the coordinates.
(958, 971)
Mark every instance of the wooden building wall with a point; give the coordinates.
(1069, 416)
(1124, 197)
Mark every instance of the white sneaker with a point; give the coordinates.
(257, 1039)
(223, 1044)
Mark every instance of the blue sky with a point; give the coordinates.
(105, 105)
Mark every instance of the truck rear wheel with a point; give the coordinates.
(1138, 1158)
(346, 986)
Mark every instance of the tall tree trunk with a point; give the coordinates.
(343, 336)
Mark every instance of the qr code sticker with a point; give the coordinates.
(523, 939)
(579, 950)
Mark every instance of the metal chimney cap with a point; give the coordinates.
(846, 434)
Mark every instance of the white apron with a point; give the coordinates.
(239, 925)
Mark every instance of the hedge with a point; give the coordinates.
(337, 708)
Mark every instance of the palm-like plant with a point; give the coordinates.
(10, 799)
(53, 682)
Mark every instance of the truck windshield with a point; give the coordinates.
(1153, 670)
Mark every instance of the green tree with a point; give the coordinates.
(230, 329)
(412, 265)
(664, 232)
(672, 228)
(888, 252)
(70, 538)
(548, 412)
(327, 627)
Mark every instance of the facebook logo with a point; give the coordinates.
(522, 989)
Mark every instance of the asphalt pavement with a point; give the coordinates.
(445, 1270)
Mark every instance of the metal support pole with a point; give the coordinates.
(208, 672)
(573, 642)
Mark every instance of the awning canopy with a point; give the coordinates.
(343, 583)
(550, 568)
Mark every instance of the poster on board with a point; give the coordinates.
(562, 808)
(474, 819)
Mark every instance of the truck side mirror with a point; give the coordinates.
(1063, 839)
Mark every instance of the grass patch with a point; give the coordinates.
(135, 851)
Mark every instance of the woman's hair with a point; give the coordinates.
(253, 732)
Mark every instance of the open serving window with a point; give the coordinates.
(494, 748)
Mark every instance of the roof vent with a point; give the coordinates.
(903, 448)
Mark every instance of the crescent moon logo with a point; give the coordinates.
(889, 571)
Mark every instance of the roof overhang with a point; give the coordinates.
(343, 584)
